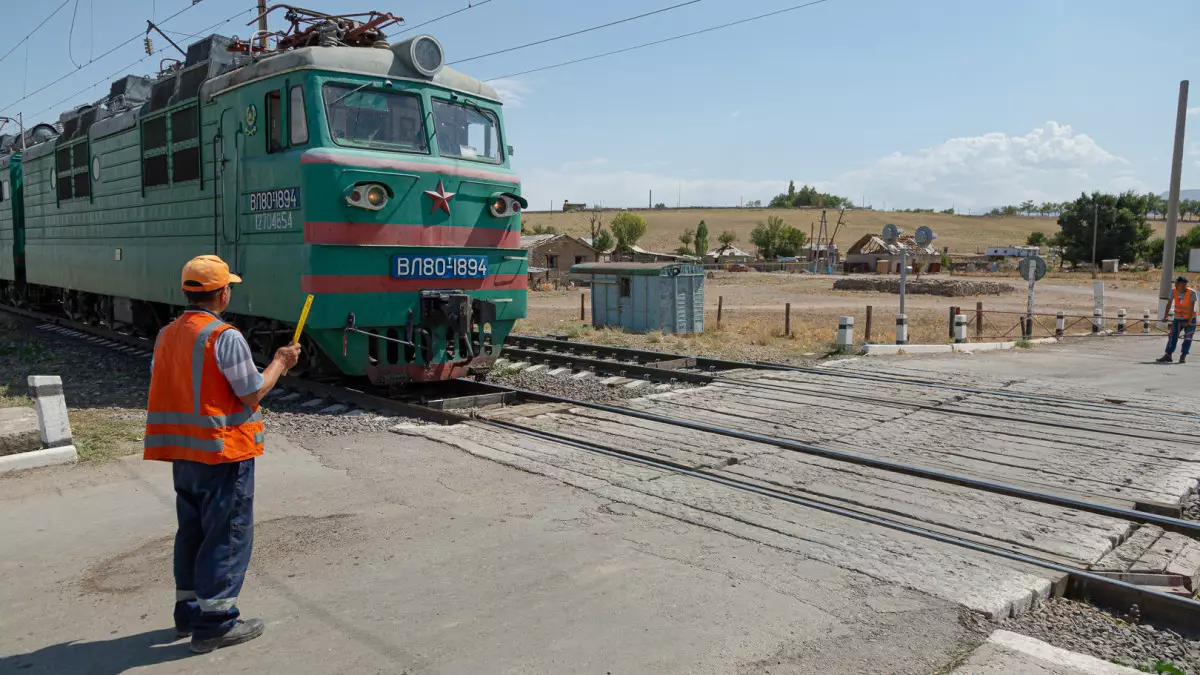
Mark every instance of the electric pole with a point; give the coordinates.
(1168, 264)
(262, 24)
(1095, 229)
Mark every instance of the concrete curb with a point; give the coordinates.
(39, 458)
(964, 348)
(1008, 652)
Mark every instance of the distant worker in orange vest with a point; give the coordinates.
(203, 417)
(1184, 301)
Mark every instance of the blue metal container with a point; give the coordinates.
(642, 297)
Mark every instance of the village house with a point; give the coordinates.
(727, 255)
(551, 256)
(872, 255)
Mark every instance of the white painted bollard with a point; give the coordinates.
(1120, 321)
(901, 329)
(845, 334)
(960, 328)
(1145, 321)
(1097, 320)
(1060, 323)
(54, 428)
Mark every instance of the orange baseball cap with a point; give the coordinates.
(207, 273)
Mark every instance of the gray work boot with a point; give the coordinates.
(243, 631)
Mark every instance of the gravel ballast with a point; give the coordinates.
(1083, 628)
(590, 389)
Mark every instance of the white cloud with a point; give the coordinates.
(735, 114)
(1193, 111)
(632, 188)
(1050, 162)
(512, 92)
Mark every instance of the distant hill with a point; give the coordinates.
(1184, 194)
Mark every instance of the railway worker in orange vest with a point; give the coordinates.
(203, 417)
(1184, 301)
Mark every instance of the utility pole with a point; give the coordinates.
(1168, 265)
(1095, 229)
(262, 24)
(650, 203)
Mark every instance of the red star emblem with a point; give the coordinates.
(441, 198)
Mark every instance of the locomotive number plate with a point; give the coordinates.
(439, 267)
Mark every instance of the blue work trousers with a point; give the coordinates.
(1188, 328)
(215, 506)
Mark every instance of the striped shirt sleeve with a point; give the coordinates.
(237, 364)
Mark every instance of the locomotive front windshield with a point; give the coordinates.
(466, 132)
(373, 118)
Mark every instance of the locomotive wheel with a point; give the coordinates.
(312, 361)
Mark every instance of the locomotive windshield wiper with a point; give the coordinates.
(386, 83)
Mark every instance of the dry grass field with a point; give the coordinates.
(962, 234)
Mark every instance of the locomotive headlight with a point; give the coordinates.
(376, 196)
(370, 196)
(505, 204)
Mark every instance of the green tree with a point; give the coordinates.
(701, 240)
(660, 205)
(1027, 207)
(628, 227)
(776, 238)
(948, 212)
(686, 239)
(603, 241)
(727, 238)
(1036, 239)
(791, 241)
(1120, 226)
(1184, 243)
(540, 229)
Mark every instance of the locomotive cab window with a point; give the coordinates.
(297, 117)
(467, 132)
(274, 122)
(374, 118)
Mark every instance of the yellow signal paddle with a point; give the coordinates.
(303, 318)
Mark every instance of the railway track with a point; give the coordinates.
(456, 404)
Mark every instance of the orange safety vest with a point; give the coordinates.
(1185, 307)
(193, 413)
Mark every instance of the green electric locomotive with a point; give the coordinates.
(366, 174)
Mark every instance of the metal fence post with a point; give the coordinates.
(867, 333)
(951, 321)
(787, 319)
(581, 314)
(720, 305)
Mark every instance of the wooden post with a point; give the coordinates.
(953, 313)
(978, 319)
(867, 332)
(581, 314)
(787, 319)
(720, 304)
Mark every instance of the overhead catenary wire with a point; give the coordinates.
(71, 35)
(39, 90)
(658, 42)
(444, 16)
(578, 32)
(36, 29)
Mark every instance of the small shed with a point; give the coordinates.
(641, 297)
(727, 255)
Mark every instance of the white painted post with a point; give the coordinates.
(845, 334)
(1145, 321)
(960, 328)
(1120, 321)
(1097, 320)
(1060, 323)
(901, 329)
(53, 424)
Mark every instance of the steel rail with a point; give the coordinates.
(614, 367)
(726, 364)
(1157, 605)
(938, 408)
(1168, 523)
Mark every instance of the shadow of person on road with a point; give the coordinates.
(102, 657)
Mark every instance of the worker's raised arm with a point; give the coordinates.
(285, 359)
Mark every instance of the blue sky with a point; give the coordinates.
(919, 103)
